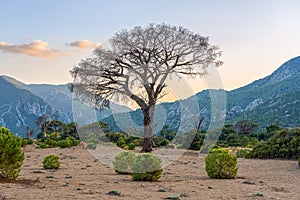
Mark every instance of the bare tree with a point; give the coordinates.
(137, 65)
(29, 132)
(246, 127)
(43, 122)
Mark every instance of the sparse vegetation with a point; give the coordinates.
(51, 162)
(221, 164)
(242, 153)
(11, 155)
(146, 167)
(123, 162)
(91, 145)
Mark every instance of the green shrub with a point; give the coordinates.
(146, 167)
(30, 141)
(11, 155)
(221, 164)
(242, 153)
(121, 142)
(284, 143)
(171, 146)
(131, 146)
(74, 141)
(299, 162)
(160, 141)
(65, 143)
(123, 162)
(51, 162)
(91, 145)
(50, 143)
(24, 142)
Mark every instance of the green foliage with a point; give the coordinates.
(30, 141)
(91, 145)
(221, 164)
(11, 155)
(242, 153)
(24, 142)
(49, 143)
(283, 143)
(167, 133)
(114, 137)
(51, 162)
(121, 142)
(299, 162)
(123, 162)
(245, 141)
(65, 143)
(146, 167)
(159, 141)
(131, 146)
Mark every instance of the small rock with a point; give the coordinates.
(258, 195)
(114, 193)
(249, 182)
(78, 188)
(49, 176)
(161, 190)
(176, 197)
(65, 184)
(88, 165)
(42, 187)
(37, 172)
(184, 195)
(68, 176)
(209, 187)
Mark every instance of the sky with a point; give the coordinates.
(41, 41)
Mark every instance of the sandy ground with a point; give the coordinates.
(81, 176)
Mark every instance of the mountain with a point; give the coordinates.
(275, 98)
(19, 107)
(51, 99)
(60, 98)
(272, 99)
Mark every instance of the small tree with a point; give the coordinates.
(11, 155)
(42, 122)
(29, 132)
(246, 127)
(138, 65)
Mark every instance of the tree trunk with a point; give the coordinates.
(148, 129)
(44, 132)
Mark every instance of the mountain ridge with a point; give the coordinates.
(266, 100)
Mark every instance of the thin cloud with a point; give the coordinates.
(36, 48)
(82, 44)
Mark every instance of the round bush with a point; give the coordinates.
(123, 162)
(91, 145)
(146, 167)
(121, 142)
(131, 146)
(11, 155)
(221, 164)
(51, 162)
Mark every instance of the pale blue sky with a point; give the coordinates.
(256, 36)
